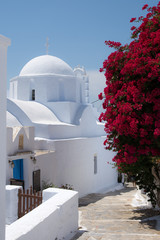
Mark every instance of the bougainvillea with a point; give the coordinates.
(131, 98)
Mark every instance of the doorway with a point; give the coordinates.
(18, 169)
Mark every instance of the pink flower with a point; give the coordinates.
(101, 69)
(132, 19)
(140, 18)
(100, 96)
(101, 117)
(132, 94)
(143, 133)
(133, 28)
(157, 132)
(113, 44)
(145, 6)
(149, 15)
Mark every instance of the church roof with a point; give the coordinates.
(12, 121)
(31, 112)
(46, 64)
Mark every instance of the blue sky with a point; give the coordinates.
(76, 29)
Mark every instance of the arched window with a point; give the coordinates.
(33, 94)
(95, 163)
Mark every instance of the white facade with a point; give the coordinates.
(65, 136)
(4, 43)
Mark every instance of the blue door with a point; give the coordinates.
(18, 169)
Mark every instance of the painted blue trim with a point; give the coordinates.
(18, 169)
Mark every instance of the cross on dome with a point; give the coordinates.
(47, 45)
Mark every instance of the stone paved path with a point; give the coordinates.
(111, 216)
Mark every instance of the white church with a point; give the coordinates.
(53, 132)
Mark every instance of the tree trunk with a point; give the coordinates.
(156, 174)
(158, 198)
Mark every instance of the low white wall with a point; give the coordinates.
(12, 203)
(56, 218)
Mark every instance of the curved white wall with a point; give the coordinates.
(48, 88)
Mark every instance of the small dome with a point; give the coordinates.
(46, 64)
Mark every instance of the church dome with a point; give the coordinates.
(44, 65)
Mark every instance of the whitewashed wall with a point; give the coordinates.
(4, 43)
(56, 218)
(13, 134)
(77, 165)
(68, 161)
(12, 203)
(48, 88)
(73, 163)
(12, 149)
